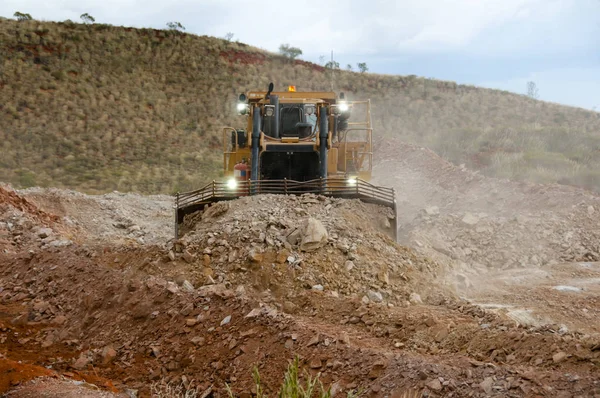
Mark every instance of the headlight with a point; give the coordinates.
(242, 108)
(343, 106)
(231, 183)
(352, 181)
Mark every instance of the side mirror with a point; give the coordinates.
(269, 92)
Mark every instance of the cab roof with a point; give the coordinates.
(285, 96)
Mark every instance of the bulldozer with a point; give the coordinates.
(295, 143)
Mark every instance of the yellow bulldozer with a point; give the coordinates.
(294, 143)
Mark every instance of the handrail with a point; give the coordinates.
(215, 191)
(326, 186)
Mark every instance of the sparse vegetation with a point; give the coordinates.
(290, 52)
(362, 67)
(100, 108)
(229, 36)
(164, 389)
(292, 386)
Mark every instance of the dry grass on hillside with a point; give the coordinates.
(99, 108)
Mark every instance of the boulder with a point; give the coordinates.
(315, 235)
(108, 355)
(216, 210)
(44, 232)
(375, 297)
(470, 219)
(415, 298)
(432, 210)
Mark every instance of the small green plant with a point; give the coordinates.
(22, 16)
(292, 386)
(229, 36)
(87, 18)
(349, 67)
(289, 52)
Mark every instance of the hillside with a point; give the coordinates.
(102, 108)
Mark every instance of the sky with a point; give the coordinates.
(490, 43)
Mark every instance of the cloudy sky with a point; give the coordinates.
(491, 43)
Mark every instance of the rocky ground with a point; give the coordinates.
(529, 250)
(494, 293)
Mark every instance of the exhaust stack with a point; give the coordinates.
(323, 134)
(275, 128)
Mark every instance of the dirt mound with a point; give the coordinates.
(9, 199)
(450, 211)
(525, 240)
(290, 243)
(125, 218)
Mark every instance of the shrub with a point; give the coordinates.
(362, 67)
(532, 90)
(289, 52)
(87, 18)
(22, 16)
(175, 26)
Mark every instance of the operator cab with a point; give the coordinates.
(295, 120)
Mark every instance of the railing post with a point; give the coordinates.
(285, 186)
(213, 188)
(323, 183)
(177, 216)
(395, 224)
